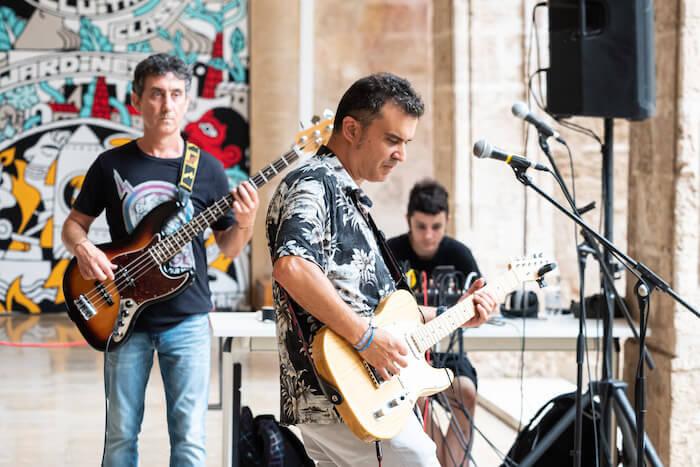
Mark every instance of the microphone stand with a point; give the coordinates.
(588, 246)
(648, 282)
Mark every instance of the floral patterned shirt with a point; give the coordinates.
(313, 216)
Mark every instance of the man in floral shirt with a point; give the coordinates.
(329, 270)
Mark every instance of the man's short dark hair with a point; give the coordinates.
(365, 98)
(159, 65)
(428, 196)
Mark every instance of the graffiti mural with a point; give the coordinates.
(65, 85)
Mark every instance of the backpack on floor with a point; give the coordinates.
(560, 452)
(264, 442)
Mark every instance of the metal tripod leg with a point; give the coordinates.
(626, 421)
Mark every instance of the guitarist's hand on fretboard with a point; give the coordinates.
(245, 204)
(485, 303)
(387, 354)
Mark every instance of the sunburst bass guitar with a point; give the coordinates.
(105, 311)
(374, 409)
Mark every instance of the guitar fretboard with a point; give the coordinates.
(429, 334)
(172, 244)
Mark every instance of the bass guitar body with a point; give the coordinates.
(105, 311)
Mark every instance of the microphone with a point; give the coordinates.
(483, 150)
(521, 111)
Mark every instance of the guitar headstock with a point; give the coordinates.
(308, 140)
(531, 268)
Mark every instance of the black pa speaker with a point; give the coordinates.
(609, 70)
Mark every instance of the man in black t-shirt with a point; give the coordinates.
(127, 183)
(423, 249)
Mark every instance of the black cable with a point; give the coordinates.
(590, 391)
(104, 377)
(522, 375)
(506, 460)
(537, 39)
(590, 133)
(532, 91)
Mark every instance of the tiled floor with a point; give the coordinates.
(52, 404)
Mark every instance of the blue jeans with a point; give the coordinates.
(184, 359)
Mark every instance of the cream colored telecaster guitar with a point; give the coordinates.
(374, 409)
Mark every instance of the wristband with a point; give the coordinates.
(369, 341)
(360, 344)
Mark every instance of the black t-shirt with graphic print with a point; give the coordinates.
(128, 184)
(450, 252)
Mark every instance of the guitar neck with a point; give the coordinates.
(429, 334)
(172, 244)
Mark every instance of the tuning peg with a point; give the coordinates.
(328, 113)
(546, 268)
(315, 119)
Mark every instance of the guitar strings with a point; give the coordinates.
(146, 261)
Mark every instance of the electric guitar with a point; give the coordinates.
(105, 311)
(374, 409)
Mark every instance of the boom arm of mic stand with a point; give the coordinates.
(633, 266)
(623, 306)
(637, 268)
(591, 242)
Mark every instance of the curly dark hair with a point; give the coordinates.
(365, 98)
(428, 196)
(159, 65)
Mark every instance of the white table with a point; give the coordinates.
(550, 333)
(231, 325)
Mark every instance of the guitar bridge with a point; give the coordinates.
(373, 375)
(85, 307)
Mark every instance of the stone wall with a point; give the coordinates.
(663, 233)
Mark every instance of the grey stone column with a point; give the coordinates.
(274, 85)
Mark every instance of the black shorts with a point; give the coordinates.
(460, 365)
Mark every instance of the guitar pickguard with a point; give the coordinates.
(127, 312)
(415, 380)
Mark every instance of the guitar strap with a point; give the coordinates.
(188, 172)
(389, 258)
(330, 391)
